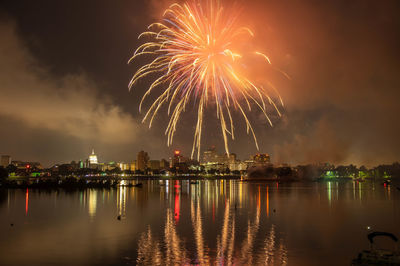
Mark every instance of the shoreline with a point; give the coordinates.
(114, 182)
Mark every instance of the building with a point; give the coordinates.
(124, 166)
(93, 160)
(238, 166)
(5, 160)
(154, 165)
(210, 156)
(178, 162)
(261, 158)
(214, 166)
(133, 166)
(164, 164)
(107, 166)
(142, 161)
(177, 159)
(26, 165)
(231, 158)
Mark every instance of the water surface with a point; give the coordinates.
(211, 222)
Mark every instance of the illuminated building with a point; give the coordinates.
(179, 162)
(261, 158)
(133, 165)
(231, 158)
(107, 166)
(142, 161)
(5, 160)
(93, 158)
(238, 166)
(214, 166)
(124, 166)
(177, 158)
(210, 156)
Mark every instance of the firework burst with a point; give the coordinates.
(196, 61)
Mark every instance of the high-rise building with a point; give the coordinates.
(179, 162)
(142, 161)
(154, 165)
(176, 159)
(164, 164)
(5, 160)
(210, 156)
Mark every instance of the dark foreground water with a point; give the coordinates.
(212, 222)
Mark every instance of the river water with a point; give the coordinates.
(211, 222)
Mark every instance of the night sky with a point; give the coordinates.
(64, 82)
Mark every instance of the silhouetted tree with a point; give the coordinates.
(3, 174)
(11, 168)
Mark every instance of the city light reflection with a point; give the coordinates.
(26, 201)
(198, 232)
(231, 246)
(92, 203)
(177, 201)
(267, 201)
(121, 201)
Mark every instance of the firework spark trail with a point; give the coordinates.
(195, 60)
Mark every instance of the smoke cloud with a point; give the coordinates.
(70, 105)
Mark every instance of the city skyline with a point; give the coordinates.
(64, 84)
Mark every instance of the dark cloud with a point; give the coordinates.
(70, 108)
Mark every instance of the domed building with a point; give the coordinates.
(93, 160)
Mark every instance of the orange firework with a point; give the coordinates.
(196, 60)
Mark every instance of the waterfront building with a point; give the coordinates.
(214, 166)
(261, 159)
(164, 164)
(124, 166)
(142, 161)
(133, 166)
(26, 165)
(178, 163)
(93, 159)
(231, 158)
(238, 165)
(211, 156)
(154, 165)
(5, 160)
(107, 166)
(177, 159)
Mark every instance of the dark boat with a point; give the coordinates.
(137, 185)
(378, 256)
